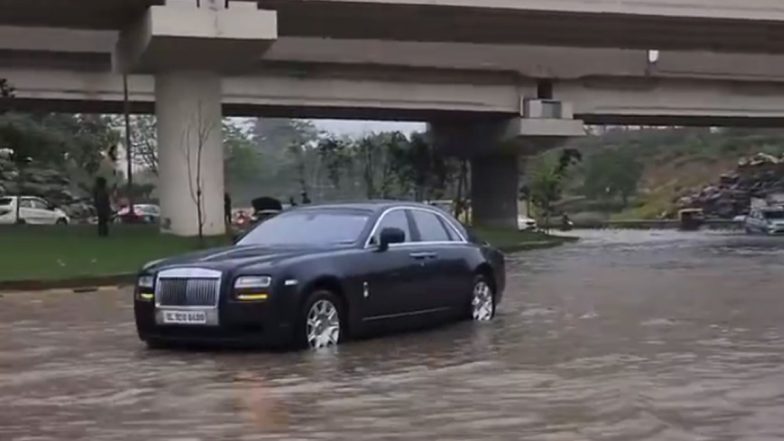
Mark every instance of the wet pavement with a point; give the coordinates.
(623, 336)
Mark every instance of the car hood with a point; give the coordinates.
(232, 258)
(776, 222)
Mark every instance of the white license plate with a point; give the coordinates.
(185, 317)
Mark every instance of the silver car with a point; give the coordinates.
(768, 220)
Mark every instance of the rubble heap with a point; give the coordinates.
(758, 176)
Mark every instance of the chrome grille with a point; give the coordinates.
(188, 292)
(188, 287)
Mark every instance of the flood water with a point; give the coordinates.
(623, 336)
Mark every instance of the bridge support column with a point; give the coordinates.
(190, 156)
(187, 44)
(494, 148)
(494, 190)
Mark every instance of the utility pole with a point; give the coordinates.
(128, 155)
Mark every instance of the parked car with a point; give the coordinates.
(525, 223)
(314, 276)
(142, 214)
(767, 220)
(32, 210)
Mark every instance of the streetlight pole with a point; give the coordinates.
(128, 155)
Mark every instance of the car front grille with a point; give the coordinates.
(188, 287)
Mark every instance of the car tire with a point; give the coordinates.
(481, 307)
(62, 221)
(321, 322)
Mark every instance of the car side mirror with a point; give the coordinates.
(389, 236)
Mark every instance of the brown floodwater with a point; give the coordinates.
(623, 336)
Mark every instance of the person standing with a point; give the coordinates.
(103, 206)
(227, 208)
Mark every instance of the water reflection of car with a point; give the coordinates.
(317, 275)
(32, 210)
(768, 220)
(142, 214)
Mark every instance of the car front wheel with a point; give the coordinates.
(322, 325)
(482, 300)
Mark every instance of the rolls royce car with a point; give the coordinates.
(314, 276)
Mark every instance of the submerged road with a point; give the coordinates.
(623, 336)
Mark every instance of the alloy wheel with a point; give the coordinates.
(482, 305)
(323, 324)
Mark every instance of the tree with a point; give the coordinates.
(242, 161)
(337, 157)
(547, 179)
(195, 138)
(612, 173)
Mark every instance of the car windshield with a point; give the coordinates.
(776, 215)
(309, 227)
(5, 201)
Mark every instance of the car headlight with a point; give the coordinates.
(146, 282)
(251, 282)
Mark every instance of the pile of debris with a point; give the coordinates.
(46, 183)
(759, 176)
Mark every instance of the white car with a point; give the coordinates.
(32, 210)
(768, 220)
(525, 223)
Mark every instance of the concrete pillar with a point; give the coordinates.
(190, 152)
(494, 190)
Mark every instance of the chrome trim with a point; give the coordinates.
(291, 282)
(406, 314)
(462, 239)
(187, 273)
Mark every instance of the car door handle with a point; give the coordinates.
(420, 256)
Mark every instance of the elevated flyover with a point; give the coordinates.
(478, 70)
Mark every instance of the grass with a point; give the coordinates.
(510, 240)
(51, 253)
(29, 253)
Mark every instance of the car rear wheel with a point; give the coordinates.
(62, 221)
(321, 326)
(482, 300)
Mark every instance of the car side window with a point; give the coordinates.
(39, 204)
(26, 203)
(393, 219)
(430, 227)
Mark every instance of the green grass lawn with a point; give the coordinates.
(510, 240)
(72, 252)
(49, 253)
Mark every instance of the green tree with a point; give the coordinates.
(242, 161)
(613, 173)
(548, 178)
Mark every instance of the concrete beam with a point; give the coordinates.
(409, 95)
(183, 36)
(754, 26)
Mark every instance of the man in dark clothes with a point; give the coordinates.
(103, 206)
(227, 208)
(305, 198)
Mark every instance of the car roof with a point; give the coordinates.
(373, 205)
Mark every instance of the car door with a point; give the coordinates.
(27, 212)
(754, 222)
(447, 276)
(43, 212)
(390, 282)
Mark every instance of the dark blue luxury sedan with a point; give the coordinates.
(315, 276)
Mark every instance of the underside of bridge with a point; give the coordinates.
(494, 78)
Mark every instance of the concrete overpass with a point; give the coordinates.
(474, 69)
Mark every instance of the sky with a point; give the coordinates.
(358, 128)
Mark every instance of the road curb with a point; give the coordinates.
(74, 285)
